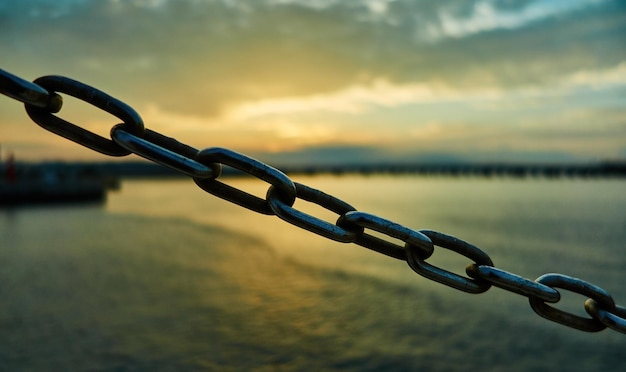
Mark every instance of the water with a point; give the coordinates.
(166, 277)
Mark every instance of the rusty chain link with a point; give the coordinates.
(204, 166)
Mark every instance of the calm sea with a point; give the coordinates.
(166, 277)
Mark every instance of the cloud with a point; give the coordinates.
(363, 98)
(279, 74)
(229, 52)
(487, 16)
(353, 100)
(599, 79)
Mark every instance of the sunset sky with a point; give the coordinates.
(332, 80)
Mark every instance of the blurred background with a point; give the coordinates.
(500, 122)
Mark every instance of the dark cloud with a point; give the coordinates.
(232, 51)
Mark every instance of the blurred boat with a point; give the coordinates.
(51, 183)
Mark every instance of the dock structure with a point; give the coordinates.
(593, 170)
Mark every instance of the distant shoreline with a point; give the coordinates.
(145, 169)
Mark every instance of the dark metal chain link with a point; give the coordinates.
(204, 166)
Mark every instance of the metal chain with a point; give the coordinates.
(204, 166)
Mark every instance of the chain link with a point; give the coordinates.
(250, 166)
(578, 286)
(417, 262)
(41, 101)
(29, 93)
(308, 222)
(165, 151)
(132, 120)
(513, 282)
(410, 237)
(615, 319)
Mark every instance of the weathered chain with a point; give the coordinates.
(42, 101)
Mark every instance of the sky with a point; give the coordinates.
(323, 81)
